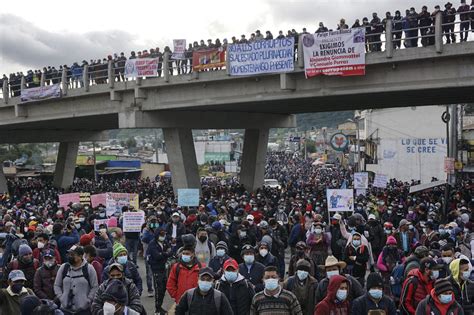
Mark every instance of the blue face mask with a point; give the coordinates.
(466, 275)
(204, 286)
(445, 298)
(302, 274)
(341, 295)
(356, 243)
(249, 259)
(220, 252)
(376, 293)
(434, 274)
(186, 258)
(122, 260)
(231, 276)
(271, 284)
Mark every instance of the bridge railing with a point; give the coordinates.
(108, 73)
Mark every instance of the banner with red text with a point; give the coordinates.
(179, 49)
(339, 53)
(208, 59)
(143, 67)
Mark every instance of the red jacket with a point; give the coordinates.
(415, 288)
(328, 306)
(188, 279)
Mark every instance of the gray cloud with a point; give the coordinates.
(23, 43)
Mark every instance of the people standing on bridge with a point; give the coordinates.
(449, 17)
(342, 25)
(376, 30)
(425, 22)
(465, 18)
(321, 28)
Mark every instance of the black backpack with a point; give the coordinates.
(85, 272)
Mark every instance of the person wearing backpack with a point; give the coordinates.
(418, 285)
(238, 290)
(440, 301)
(205, 249)
(204, 299)
(24, 262)
(184, 274)
(303, 286)
(374, 299)
(45, 276)
(76, 283)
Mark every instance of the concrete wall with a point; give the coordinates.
(411, 142)
(151, 170)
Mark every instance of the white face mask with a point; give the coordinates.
(40, 245)
(447, 260)
(263, 252)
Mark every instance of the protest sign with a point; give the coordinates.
(335, 53)
(116, 201)
(66, 199)
(133, 221)
(179, 49)
(361, 180)
(98, 223)
(99, 199)
(208, 59)
(85, 198)
(361, 192)
(380, 181)
(264, 56)
(340, 199)
(425, 186)
(143, 67)
(188, 197)
(40, 93)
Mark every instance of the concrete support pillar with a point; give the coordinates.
(300, 53)
(439, 32)
(3, 181)
(64, 82)
(22, 83)
(166, 66)
(85, 78)
(6, 91)
(389, 38)
(43, 79)
(111, 73)
(253, 158)
(65, 164)
(182, 158)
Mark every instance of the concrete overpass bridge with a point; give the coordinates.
(439, 74)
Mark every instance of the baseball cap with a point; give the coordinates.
(336, 216)
(206, 271)
(175, 214)
(16, 275)
(78, 250)
(48, 253)
(250, 217)
(231, 263)
(372, 217)
(116, 266)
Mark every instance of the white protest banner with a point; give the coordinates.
(380, 181)
(361, 192)
(98, 223)
(116, 201)
(335, 53)
(41, 93)
(361, 180)
(133, 221)
(427, 186)
(144, 67)
(179, 49)
(340, 199)
(264, 56)
(188, 197)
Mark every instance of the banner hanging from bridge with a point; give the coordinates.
(339, 53)
(179, 49)
(144, 67)
(265, 56)
(41, 93)
(208, 59)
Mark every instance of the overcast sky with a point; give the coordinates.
(34, 34)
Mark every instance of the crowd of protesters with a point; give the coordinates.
(413, 26)
(396, 252)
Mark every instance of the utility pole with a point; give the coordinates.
(95, 162)
(156, 145)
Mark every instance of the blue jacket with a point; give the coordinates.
(216, 263)
(255, 275)
(296, 235)
(157, 256)
(130, 270)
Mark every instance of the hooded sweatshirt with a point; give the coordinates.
(330, 305)
(463, 290)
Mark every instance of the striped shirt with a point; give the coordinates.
(283, 303)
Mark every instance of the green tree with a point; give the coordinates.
(131, 143)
